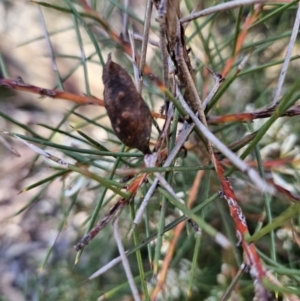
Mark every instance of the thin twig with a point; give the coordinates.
(183, 72)
(20, 85)
(145, 41)
(218, 8)
(125, 20)
(83, 56)
(85, 240)
(245, 116)
(107, 267)
(163, 46)
(192, 88)
(195, 10)
(139, 37)
(244, 61)
(287, 58)
(125, 262)
(51, 52)
(165, 131)
(233, 283)
(218, 81)
(135, 66)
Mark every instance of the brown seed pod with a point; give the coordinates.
(128, 113)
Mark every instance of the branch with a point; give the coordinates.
(218, 8)
(18, 84)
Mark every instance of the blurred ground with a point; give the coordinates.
(26, 238)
